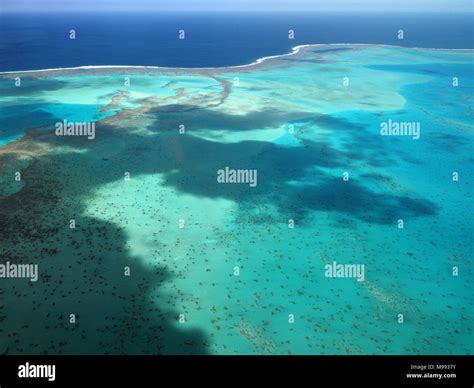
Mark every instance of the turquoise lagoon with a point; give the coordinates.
(232, 278)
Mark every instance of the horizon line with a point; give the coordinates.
(276, 10)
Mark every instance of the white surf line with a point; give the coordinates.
(294, 50)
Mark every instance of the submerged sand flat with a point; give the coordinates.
(297, 122)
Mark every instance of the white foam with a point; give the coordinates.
(294, 51)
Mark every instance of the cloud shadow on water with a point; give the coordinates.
(84, 269)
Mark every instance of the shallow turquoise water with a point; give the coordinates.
(336, 129)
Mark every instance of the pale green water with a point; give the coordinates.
(190, 270)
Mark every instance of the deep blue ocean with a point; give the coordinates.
(41, 40)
